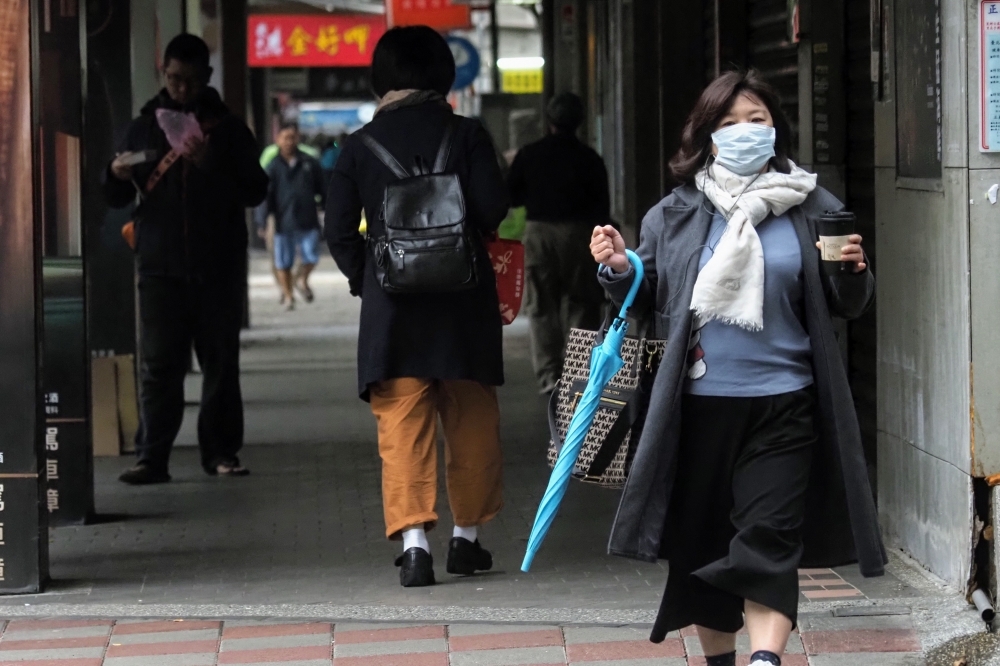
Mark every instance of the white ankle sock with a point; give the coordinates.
(415, 537)
(470, 533)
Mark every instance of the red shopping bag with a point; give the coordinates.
(507, 257)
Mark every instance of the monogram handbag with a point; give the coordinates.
(608, 449)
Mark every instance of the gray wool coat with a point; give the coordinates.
(841, 521)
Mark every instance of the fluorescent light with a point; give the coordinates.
(521, 63)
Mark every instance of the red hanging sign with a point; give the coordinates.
(438, 14)
(325, 40)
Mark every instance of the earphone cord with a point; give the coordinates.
(698, 250)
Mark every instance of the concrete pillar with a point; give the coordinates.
(68, 455)
(932, 319)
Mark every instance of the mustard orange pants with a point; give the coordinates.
(407, 412)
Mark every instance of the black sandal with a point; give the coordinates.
(231, 469)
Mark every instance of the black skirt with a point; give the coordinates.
(733, 532)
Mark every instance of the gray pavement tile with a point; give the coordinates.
(693, 646)
(484, 629)
(53, 654)
(576, 635)
(510, 657)
(827, 622)
(50, 634)
(198, 659)
(868, 659)
(391, 647)
(376, 626)
(265, 642)
(165, 637)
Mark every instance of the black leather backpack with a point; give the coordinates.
(426, 246)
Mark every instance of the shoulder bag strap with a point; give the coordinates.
(161, 169)
(444, 153)
(384, 156)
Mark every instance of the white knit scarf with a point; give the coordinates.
(730, 288)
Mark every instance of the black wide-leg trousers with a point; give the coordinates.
(733, 531)
(174, 315)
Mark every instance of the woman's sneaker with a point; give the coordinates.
(466, 558)
(416, 568)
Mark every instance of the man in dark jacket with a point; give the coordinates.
(190, 238)
(564, 186)
(297, 186)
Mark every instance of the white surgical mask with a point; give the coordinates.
(744, 148)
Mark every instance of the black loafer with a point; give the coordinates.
(416, 568)
(144, 475)
(466, 558)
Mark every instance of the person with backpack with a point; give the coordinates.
(430, 343)
(190, 236)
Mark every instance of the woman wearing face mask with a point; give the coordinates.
(750, 463)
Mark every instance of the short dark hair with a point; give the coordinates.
(713, 105)
(566, 112)
(189, 49)
(412, 58)
(288, 125)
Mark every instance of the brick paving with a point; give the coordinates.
(60, 642)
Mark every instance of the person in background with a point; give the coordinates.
(331, 152)
(297, 187)
(268, 154)
(422, 357)
(191, 260)
(266, 157)
(564, 186)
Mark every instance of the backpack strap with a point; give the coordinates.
(384, 156)
(444, 153)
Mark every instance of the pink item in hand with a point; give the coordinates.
(179, 128)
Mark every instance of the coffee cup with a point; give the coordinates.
(835, 231)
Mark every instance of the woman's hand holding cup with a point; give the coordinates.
(852, 253)
(608, 248)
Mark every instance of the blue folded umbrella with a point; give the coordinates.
(605, 362)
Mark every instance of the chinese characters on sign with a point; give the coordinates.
(523, 82)
(989, 85)
(312, 41)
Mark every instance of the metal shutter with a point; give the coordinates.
(777, 58)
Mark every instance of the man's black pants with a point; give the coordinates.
(174, 314)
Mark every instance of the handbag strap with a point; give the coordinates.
(627, 418)
(161, 169)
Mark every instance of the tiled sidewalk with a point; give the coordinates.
(825, 641)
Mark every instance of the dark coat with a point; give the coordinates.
(434, 336)
(292, 195)
(841, 521)
(193, 224)
(560, 179)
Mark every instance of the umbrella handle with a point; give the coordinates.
(640, 273)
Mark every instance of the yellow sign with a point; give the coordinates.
(522, 81)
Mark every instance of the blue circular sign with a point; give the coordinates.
(467, 61)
